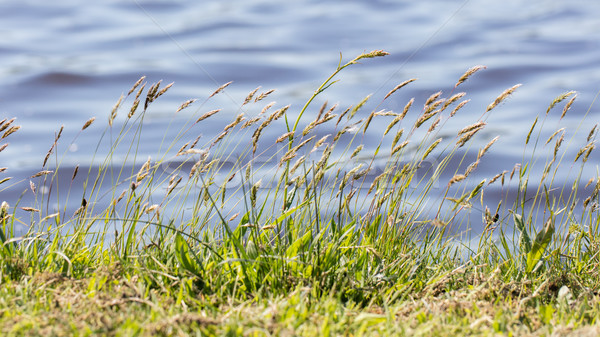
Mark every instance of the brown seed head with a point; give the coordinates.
(264, 95)
(559, 99)
(219, 89)
(468, 74)
(458, 107)
(250, 96)
(568, 106)
(4, 125)
(399, 86)
(88, 123)
(10, 131)
(185, 105)
(136, 84)
(206, 115)
(502, 97)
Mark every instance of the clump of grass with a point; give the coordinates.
(319, 238)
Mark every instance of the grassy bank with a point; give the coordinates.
(307, 234)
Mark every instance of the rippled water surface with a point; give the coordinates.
(63, 62)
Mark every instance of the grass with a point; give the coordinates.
(307, 234)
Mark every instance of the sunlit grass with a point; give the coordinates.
(307, 233)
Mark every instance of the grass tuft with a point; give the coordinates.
(308, 233)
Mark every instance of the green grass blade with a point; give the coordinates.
(542, 239)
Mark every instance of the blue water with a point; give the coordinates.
(63, 62)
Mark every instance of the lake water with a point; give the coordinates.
(63, 62)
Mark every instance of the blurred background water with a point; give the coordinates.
(63, 62)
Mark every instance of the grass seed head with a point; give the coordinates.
(135, 85)
(372, 54)
(468, 74)
(267, 107)
(515, 168)
(406, 108)
(134, 107)
(319, 143)
(399, 147)
(276, 115)
(358, 106)
(144, 170)
(195, 142)
(160, 93)
(253, 192)
(285, 136)
(151, 209)
(531, 130)
(250, 122)
(502, 97)
(487, 147)
(4, 125)
(559, 99)
(431, 148)
(568, 106)
(342, 116)
(151, 94)
(120, 196)
(291, 154)
(434, 124)
(432, 98)
(494, 178)
(558, 143)
(588, 152)
(60, 131)
(88, 123)
(397, 137)
(113, 113)
(368, 121)
(392, 124)
(424, 118)
(255, 137)
(219, 89)
(467, 136)
(452, 99)
(471, 168)
(589, 182)
(347, 128)
(140, 91)
(10, 131)
(399, 86)
(180, 152)
(206, 115)
(458, 107)
(238, 119)
(309, 128)
(41, 173)
(193, 152)
(75, 171)
(264, 95)
(185, 105)
(592, 133)
(469, 128)
(321, 111)
(356, 151)
(554, 134)
(250, 96)
(297, 164)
